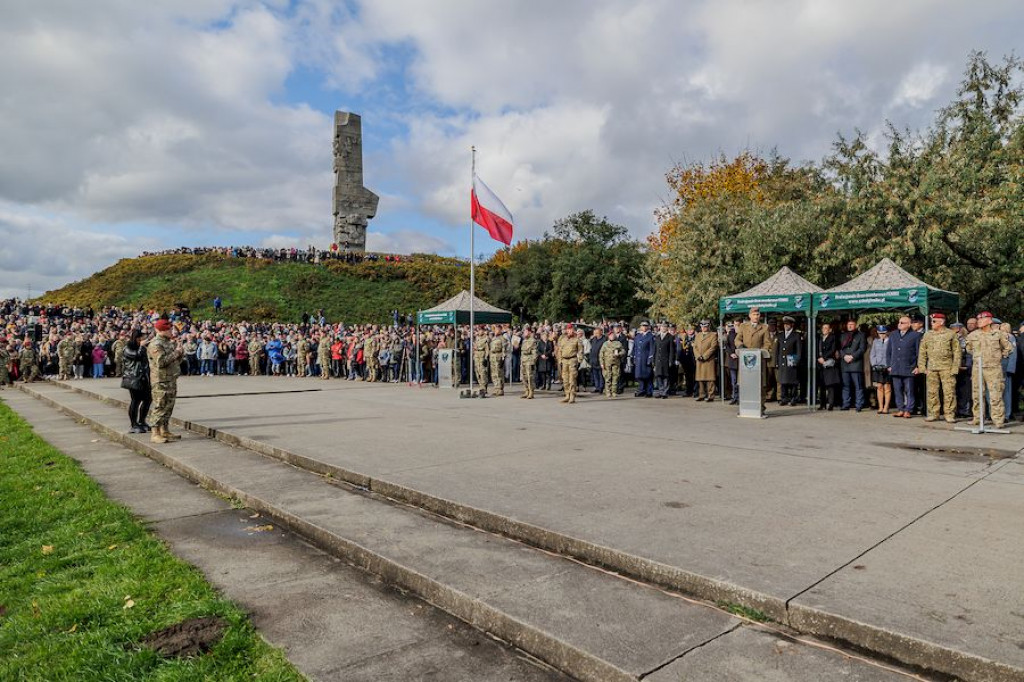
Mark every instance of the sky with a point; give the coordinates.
(128, 126)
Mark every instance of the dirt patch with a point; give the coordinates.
(965, 454)
(676, 505)
(188, 638)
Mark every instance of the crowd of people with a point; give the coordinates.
(900, 368)
(310, 254)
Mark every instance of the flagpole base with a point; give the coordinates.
(979, 429)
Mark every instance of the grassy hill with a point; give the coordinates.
(260, 290)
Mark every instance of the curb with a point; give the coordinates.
(904, 649)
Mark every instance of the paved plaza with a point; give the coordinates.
(903, 537)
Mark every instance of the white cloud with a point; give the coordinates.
(174, 113)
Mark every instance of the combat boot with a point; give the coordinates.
(157, 435)
(170, 436)
(564, 399)
(525, 396)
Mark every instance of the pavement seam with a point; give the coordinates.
(906, 649)
(672, 660)
(894, 533)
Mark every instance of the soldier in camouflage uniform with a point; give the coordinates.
(370, 349)
(118, 349)
(301, 356)
(28, 362)
(255, 353)
(164, 368)
(481, 348)
(939, 360)
(610, 356)
(66, 353)
(498, 349)
(989, 345)
(323, 356)
(528, 363)
(5, 361)
(570, 354)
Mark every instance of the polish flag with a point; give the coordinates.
(489, 213)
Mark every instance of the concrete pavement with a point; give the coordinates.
(856, 526)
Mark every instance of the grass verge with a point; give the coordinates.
(81, 582)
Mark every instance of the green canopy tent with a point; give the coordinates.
(886, 286)
(785, 292)
(457, 310)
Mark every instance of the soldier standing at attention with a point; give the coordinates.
(28, 362)
(323, 356)
(118, 349)
(370, 348)
(570, 353)
(301, 356)
(939, 360)
(705, 350)
(5, 360)
(65, 357)
(528, 363)
(164, 368)
(989, 345)
(498, 353)
(481, 347)
(255, 353)
(610, 357)
(754, 334)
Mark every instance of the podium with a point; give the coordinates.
(445, 368)
(751, 380)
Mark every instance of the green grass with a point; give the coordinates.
(69, 559)
(261, 290)
(744, 612)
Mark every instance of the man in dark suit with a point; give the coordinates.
(852, 346)
(903, 353)
(664, 359)
(789, 353)
(643, 356)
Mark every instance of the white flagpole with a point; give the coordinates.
(472, 276)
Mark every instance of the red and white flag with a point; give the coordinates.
(489, 213)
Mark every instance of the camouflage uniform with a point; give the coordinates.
(66, 353)
(370, 348)
(528, 366)
(991, 346)
(28, 363)
(255, 353)
(5, 359)
(939, 360)
(323, 357)
(570, 353)
(301, 357)
(610, 357)
(164, 368)
(481, 345)
(118, 349)
(498, 351)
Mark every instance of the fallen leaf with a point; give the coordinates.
(47, 549)
(255, 516)
(73, 628)
(111, 547)
(96, 440)
(260, 529)
(35, 609)
(128, 603)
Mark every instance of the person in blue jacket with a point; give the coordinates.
(275, 355)
(643, 361)
(902, 354)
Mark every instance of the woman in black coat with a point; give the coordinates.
(829, 378)
(135, 378)
(545, 362)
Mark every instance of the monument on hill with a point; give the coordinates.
(354, 205)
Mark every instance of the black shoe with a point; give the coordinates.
(135, 429)
(859, 409)
(734, 401)
(829, 408)
(145, 428)
(783, 403)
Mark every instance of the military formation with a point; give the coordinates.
(946, 372)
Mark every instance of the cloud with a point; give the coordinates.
(182, 121)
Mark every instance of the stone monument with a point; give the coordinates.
(354, 205)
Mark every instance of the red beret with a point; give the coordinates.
(985, 314)
(162, 325)
(940, 316)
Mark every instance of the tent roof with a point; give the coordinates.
(782, 283)
(885, 275)
(460, 303)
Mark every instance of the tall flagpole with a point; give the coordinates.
(472, 274)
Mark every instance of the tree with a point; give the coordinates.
(588, 268)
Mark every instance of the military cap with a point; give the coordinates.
(645, 323)
(788, 320)
(882, 329)
(956, 325)
(705, 323)
(938, 316)
(984, 313)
